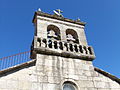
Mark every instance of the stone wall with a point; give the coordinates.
(44, 22)
(56, 70)
(50, 72)
(22, 79)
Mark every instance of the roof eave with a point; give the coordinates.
(38, 13)
(112, 77)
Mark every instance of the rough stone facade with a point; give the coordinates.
(55, 64)
(50, 72)
(42, 23)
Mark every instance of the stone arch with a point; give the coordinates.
(53, 32)
(68, 85)
(72, 81)
(72, 36)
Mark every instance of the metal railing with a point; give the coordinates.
(13, 60)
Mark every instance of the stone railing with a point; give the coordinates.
(59, 48)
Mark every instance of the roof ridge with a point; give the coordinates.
(17, 66)
(114, 78)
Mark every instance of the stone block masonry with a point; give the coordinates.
(50, 72)
(61, 59)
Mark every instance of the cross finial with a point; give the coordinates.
(39, 9)
(78, 19)
(58, 12)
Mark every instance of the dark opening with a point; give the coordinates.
(71, 47)
(61, 45)
(85, 50)
(55, 45)
(56, 31)
(50, 44)
(74, 35)
(66, 46)
(90, 50)
(45, 41)
(76, 48)
(80, 48)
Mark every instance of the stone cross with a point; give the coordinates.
(58, 12)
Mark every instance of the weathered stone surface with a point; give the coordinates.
(50, 72)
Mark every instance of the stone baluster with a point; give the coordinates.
(65, 46)
(78, 48)
(68, 47)
(73, 46)
(53, 45)
(88, 52)
(43, 42)
(81, 49)
(38, 44)
(84, 50)
(58, 45)
(91, 50)
(61, 45)
(47, 43)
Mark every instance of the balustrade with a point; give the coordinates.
(64, 46)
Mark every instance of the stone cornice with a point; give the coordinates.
(66, 54)
(38, 13)
(63, 49)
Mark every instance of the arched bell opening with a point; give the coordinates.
(53, 32)
(72, 36)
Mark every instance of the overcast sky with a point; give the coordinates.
(102, 28)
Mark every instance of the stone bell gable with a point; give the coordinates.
(61, 59)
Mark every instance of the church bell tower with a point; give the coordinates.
(61, 51)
